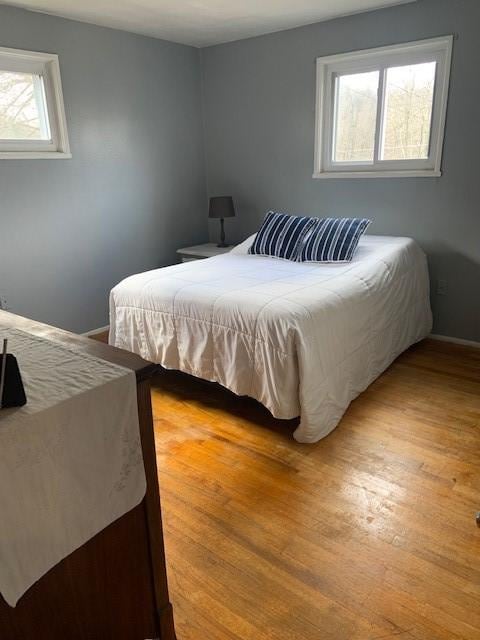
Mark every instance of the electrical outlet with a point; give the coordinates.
(442, 287)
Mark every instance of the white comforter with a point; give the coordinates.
(303, 339)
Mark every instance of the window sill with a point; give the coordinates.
(34, 155)
(378, 174)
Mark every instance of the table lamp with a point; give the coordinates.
(221, 207)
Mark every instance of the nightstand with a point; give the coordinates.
(201, 251)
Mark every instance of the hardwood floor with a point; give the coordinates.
(368, 534)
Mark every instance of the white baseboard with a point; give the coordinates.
(95, 332)
(466, 343)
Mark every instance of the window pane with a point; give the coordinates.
(408, 112)
(23, 114)
(356, 117)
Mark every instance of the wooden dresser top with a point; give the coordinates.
(142, 368)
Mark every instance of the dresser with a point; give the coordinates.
(114, 587)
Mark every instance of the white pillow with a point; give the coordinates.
(243, 247)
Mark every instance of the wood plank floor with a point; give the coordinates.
(368, 534)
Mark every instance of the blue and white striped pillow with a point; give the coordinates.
(333, 239)
(281, 236)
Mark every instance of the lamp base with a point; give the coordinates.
(222, 244)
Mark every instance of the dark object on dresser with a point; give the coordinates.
(12, 393)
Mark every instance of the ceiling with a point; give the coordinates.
(202, 22)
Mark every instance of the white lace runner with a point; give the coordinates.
(70, 459)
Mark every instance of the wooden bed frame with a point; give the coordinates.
(114, 587)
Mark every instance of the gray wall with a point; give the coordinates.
(134, 190)
(259, 97)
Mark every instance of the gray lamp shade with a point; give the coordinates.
(221, 207)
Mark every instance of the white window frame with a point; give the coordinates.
(380, 59)
(47, 66)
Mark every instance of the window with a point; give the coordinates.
(381, 112)
(32, 116)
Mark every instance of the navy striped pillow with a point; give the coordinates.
(333, 239)
(281, 236)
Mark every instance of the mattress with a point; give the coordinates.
(304, 339)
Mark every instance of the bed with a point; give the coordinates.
(304, 339)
